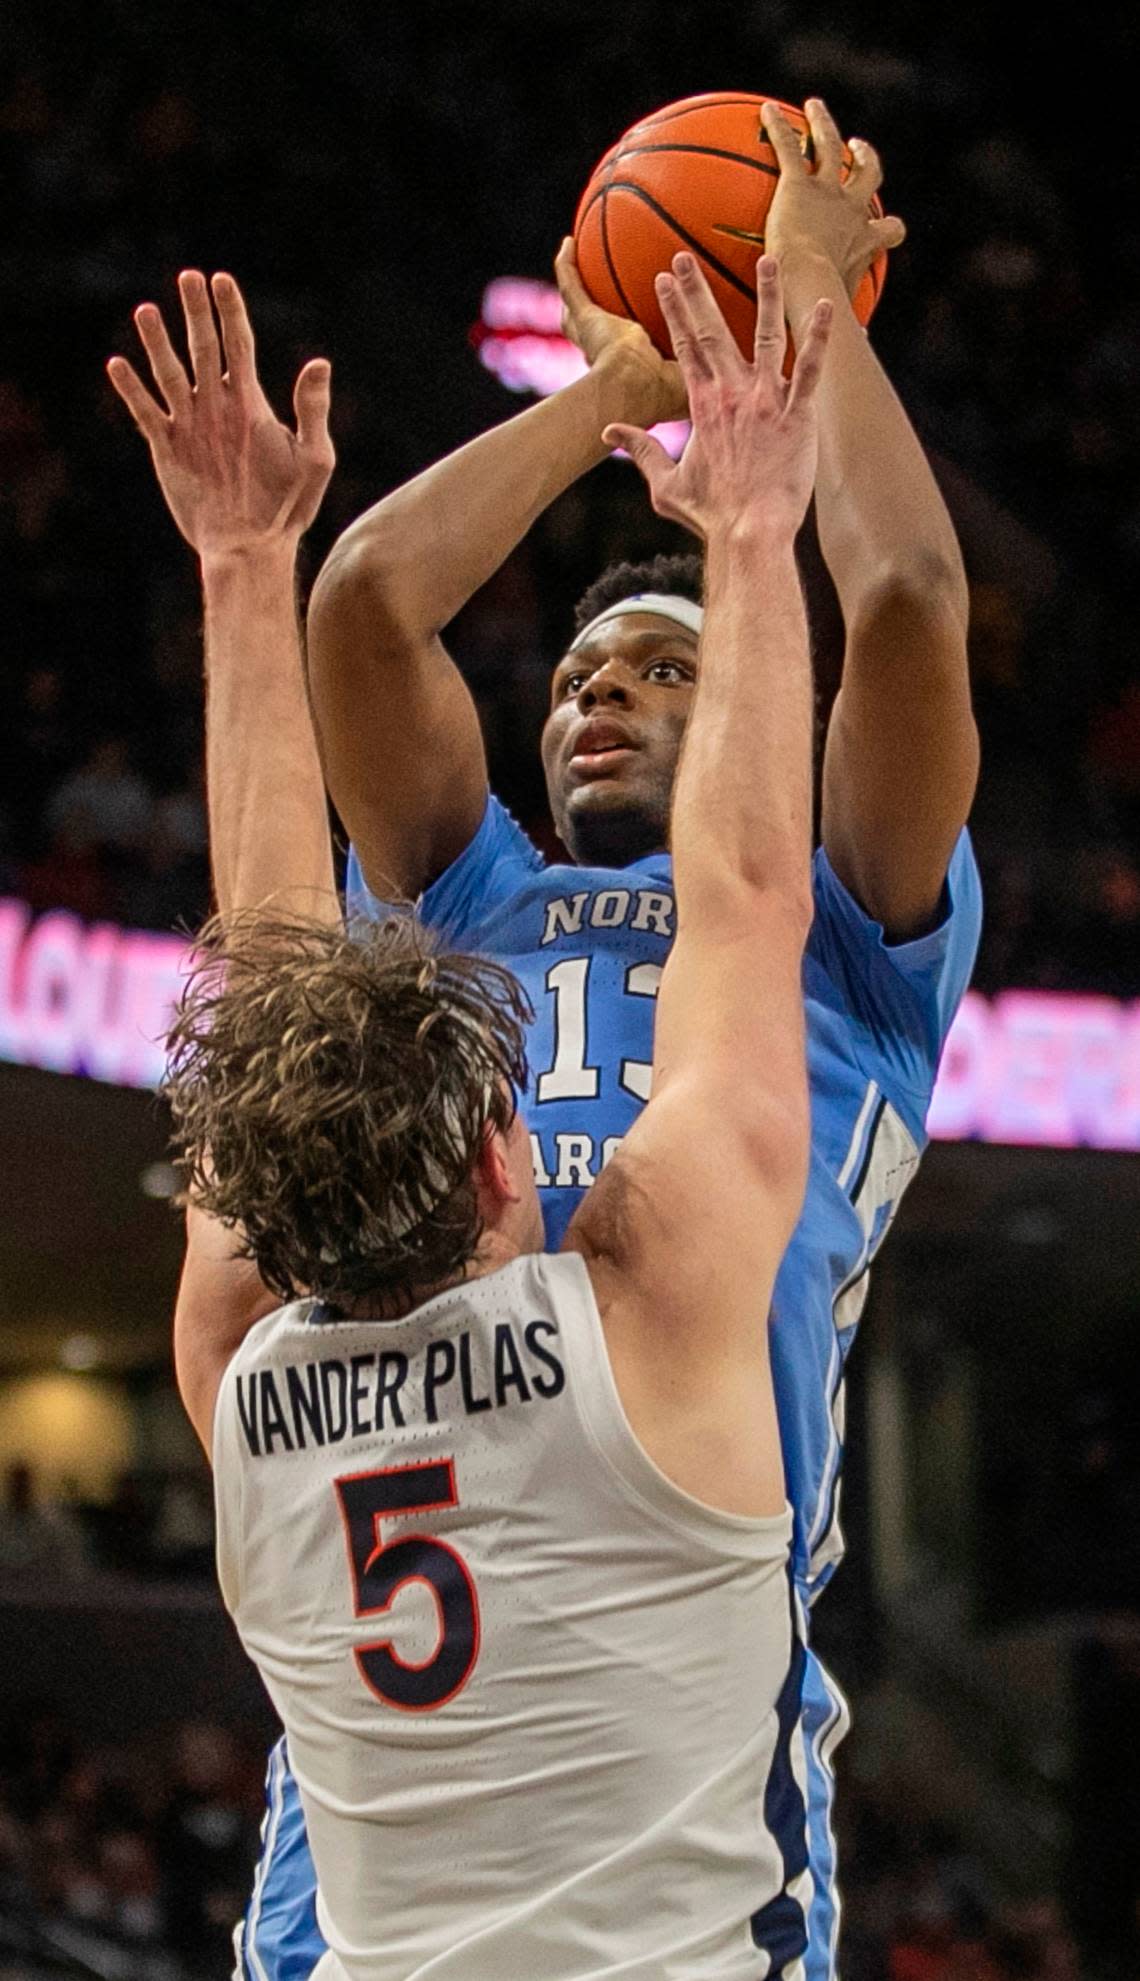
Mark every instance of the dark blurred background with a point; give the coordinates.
(365, 172)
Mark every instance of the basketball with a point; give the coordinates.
(699, 174)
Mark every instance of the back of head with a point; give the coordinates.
(331, 1093)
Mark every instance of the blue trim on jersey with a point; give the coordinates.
(780, 1928)
(824, 1708)
(280, 1939)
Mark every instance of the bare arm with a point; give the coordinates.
(684, 1231)
(269, 829)
(902, 750)
(242, 489)
(398, 731)
(220, 1296)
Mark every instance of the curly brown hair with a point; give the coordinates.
(330, 1093)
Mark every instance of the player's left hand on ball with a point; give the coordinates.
(816, 211)
(234, 476)
(650, 387)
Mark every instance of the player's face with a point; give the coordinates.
(618, 710)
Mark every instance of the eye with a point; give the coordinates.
(571, 683)
(669, 672)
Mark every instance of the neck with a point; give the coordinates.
(614, 839)
(494, 1251)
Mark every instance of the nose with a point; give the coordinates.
(609, 686)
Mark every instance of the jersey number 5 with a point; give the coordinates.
(380, 1570)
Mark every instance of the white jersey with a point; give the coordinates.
(539, 1701)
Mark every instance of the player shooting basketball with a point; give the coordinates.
(500, 1772)
(895, 890)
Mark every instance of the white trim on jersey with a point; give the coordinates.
(884, 1169)
(856, 1146)
(848, 1168)
(824, 1744)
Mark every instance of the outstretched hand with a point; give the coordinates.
(815, 210)
(753, 449)
(234, 476)
(656, 389)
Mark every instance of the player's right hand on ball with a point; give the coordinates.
(818, 210)
(752, 453)
(649, 387)
(234, 477)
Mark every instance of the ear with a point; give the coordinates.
(493, 1178)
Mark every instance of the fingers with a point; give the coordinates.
(770, 334)
(689, 307)
(782, 138)
(201, 332)
(825, 138)
(145, 411)
(889, 232)
(311, 397)
(165, 363)
(577, 303)
(685, 347)
(571, 288)
(866, 174)
(237, 334)
(647, 454)
(810, 357)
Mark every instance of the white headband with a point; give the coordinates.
(666, 605)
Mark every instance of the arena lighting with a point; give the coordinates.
(79, 1352)
(79, 998)
(1030, 1067)
(519, 337)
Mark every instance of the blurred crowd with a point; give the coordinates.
(918, 1906)
(365, 183)
(150, 1525)
(109, 1852)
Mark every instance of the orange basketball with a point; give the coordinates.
(699, 174)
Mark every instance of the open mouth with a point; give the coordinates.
(601, 741)
(590, 757)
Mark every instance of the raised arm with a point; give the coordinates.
(242, 489)
(398, 730)
(685, 1229)
(901, 759)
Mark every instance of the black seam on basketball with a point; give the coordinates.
(614, 278)
(706, 151)
(595, 196)
(691, 109)
(682, 233)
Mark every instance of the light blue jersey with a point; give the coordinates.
(589, 946)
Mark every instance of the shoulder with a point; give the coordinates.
(899, 998)
(492, 866)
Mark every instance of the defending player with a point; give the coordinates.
(501, 1773)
